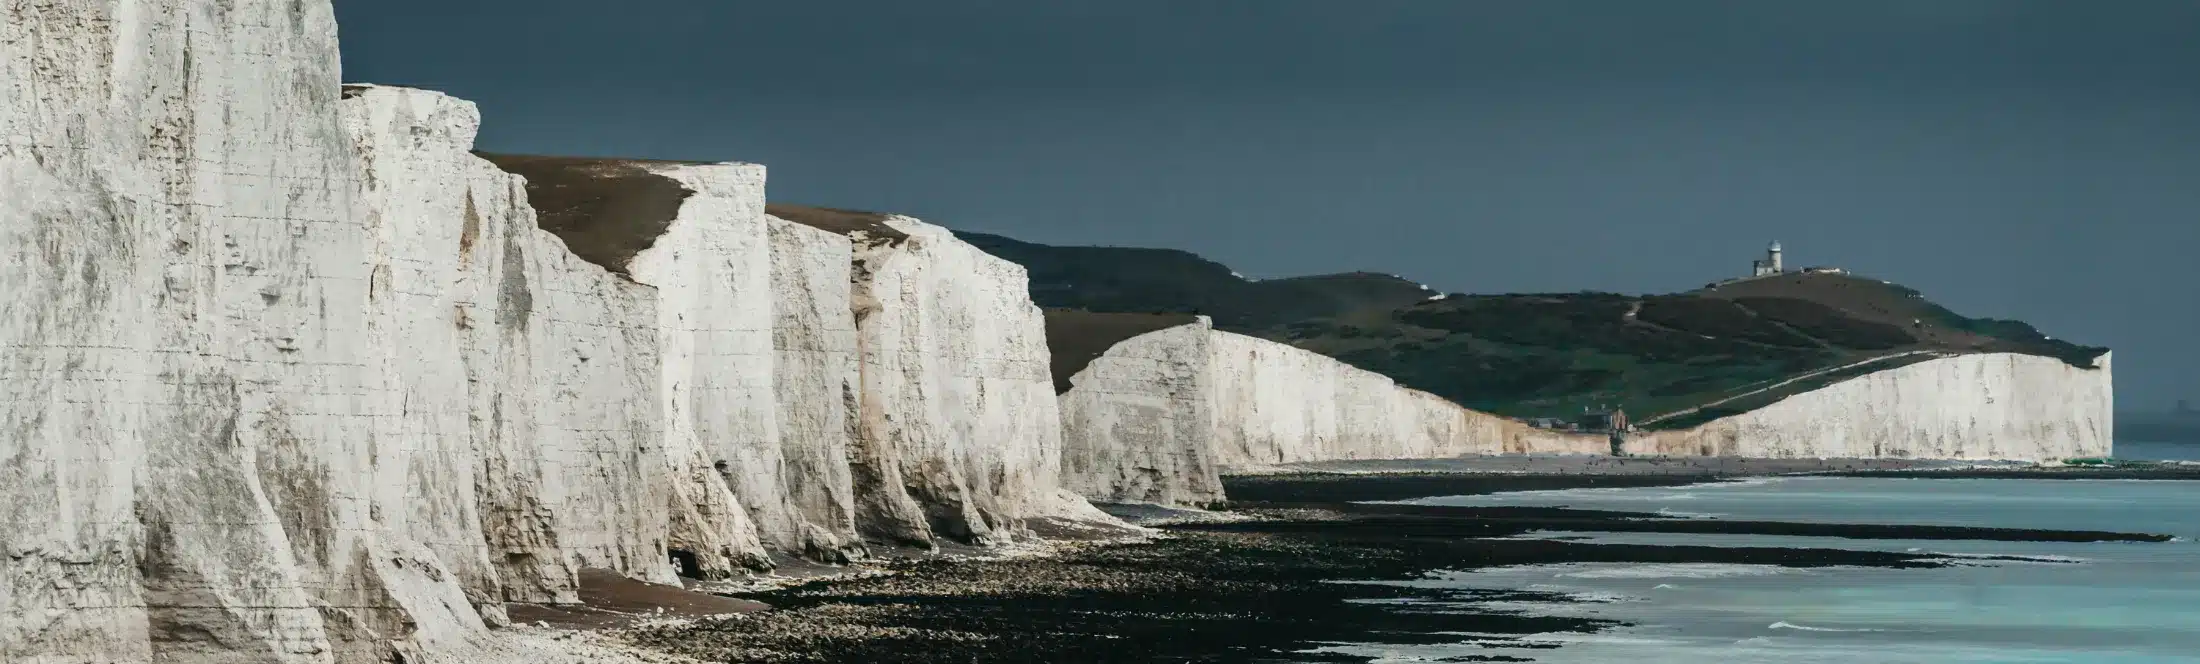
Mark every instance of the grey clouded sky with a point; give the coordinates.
(2011, 158)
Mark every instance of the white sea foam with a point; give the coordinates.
(1602, 638)
(1677, 514)
(1673, 571)
(2011, 558)
(1583, 597)
(1805, 628)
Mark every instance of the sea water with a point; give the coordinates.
(2077, 603)
(2151, 450)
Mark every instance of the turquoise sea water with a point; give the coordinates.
(2077, 603)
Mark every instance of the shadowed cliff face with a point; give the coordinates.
(606, 210)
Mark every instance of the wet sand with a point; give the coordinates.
(1604, 465)
(1257, 584)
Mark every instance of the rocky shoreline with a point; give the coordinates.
(1256, 583)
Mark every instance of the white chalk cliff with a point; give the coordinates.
(1978, 406)
(955, 432)
(291, 376)
(514, 375)
(815, 383)
(1158, 417)
(187, 436)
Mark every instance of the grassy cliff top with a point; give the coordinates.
(836, 220)
(606, 210)
(1739, 345)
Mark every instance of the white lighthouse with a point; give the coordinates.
(1770, 265)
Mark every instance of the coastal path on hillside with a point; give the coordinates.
(1784, 383)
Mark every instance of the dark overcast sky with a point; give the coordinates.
(2011, 158)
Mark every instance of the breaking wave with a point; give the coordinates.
(1673, 571)
(1805, 628)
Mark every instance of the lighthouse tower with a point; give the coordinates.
(1770, 265)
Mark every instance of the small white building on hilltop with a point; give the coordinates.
(1773, 265)
(1769, 265)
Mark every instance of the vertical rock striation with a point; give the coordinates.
(693, 232)
(814, 381)
(518, 377)
(185, 427)
(957, 432)
(711, 265)
(418, 350)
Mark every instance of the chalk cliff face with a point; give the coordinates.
(756, 329)
(889, 382)
(185, 441)
(956, 432)
(1139, 423)
(1980, 406)
(711, 266)
(1279, 404)
(815, 385)
(1156, 417)
(506, 357)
